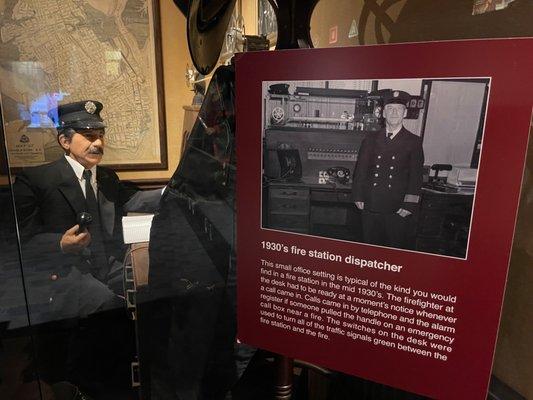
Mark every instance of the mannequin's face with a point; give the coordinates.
(85, 146)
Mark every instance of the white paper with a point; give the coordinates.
(137, 228)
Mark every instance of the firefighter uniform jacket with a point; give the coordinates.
(388, 173)
(48, 200)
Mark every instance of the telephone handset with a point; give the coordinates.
(84, 219)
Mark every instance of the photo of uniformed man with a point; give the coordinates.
(384, 162)
(388, 178)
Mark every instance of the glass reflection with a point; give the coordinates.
(72, 266)
(16, 350)
(187, 316)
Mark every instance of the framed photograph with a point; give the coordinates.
(378, 243)
(84, 50)
(313, 135)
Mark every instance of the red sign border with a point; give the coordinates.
(479, 281)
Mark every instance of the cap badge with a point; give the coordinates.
(90, 107)
(395, 94)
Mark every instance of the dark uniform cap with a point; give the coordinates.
(396, 97)
(207, 23)
(79, 115)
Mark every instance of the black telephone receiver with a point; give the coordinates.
(84, 220)
(338, 175)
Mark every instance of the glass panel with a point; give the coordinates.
(267, 23)
(88, 313)
(16, 346)
(74, 288)
(74, 310)
(187, 312)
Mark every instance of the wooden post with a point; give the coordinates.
(283, 389)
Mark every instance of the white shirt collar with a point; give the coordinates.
(78, 169)
(394, 132)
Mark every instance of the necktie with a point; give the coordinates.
(90, 198)
(98, 253)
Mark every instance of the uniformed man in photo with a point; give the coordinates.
(388, 178)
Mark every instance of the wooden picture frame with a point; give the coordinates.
(112, 55)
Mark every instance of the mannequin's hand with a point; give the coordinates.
(73, 242)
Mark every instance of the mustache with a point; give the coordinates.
(96, 150)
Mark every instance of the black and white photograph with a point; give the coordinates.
(388, 162)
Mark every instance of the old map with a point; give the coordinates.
(58, 51)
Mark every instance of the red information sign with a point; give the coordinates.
(377, 196)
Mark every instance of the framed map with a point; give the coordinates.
(59, 51)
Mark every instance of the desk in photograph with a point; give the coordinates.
(309, 208)
(328, 211)
(444, 222)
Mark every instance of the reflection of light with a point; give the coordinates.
(113, 55)
(38, 114)
(112, 64)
